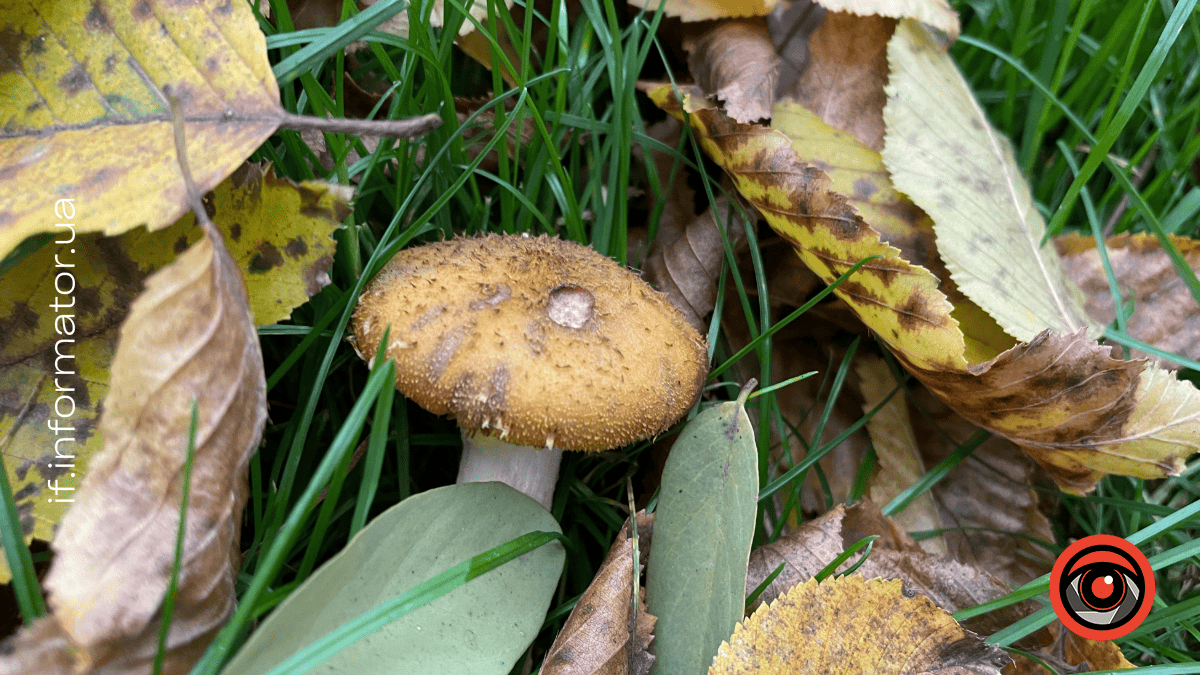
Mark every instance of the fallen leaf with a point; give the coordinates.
(937, 14)
(899, 456)
(188, 337)
(279, 233)
(1164, 315)
(598, 635)
(83, 112)
(898, 300)
(687, 268)
(1077, 411)
(1057, 421)
(842, 78)
(704, 10)
(950, 161)
(704, 525)
(809, 548)
(988, 502)
(735, 61)
(850, 624)
(404, 546)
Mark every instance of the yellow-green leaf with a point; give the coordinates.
(951, 162)
(83, 117)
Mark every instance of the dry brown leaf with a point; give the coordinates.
(937, 14)
(853, 625)
(1165, 315)
(735, 61)
(189, 336)
(687, 268)
(817, 542)
(900, 463)
(988, 501)
(596, 638)
(843, 76)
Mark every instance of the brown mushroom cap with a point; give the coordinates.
(539, 341)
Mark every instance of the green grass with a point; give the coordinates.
(1088, 91)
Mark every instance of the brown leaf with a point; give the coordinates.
(816, 543)
(735, 61)
(1071, 406)
(1165, 315)
(843, 77)
(189, 336)
(596, 637)
(936, 14)
(687, 268)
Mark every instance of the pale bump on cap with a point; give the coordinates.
(536, 340)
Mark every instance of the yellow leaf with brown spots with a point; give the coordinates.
(59, 342)
(83, 117)
(704, 10)
(900, 301)
(853, 625)
(951, 162)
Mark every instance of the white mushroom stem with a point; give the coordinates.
(531, 470)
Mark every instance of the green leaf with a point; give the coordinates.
(501, 611)
(704, 525)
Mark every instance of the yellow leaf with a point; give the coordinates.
(188, 337)
(900, 301)
(852, 625)
(83, 116)
(61, 355)
(946, 157)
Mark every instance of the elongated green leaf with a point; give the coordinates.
(704, 525)
(480, 628)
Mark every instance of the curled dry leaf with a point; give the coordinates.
(735, 61)
(189, 336)
(687, 268)
(1164, 315)
(599, 637)
(850, 624)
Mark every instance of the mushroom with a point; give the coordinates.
(533, 345)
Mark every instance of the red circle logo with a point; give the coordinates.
(1102, 587)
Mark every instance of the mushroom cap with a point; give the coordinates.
(535, 340)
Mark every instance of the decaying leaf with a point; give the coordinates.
(598, 637)
(950, 161)
(83, 113)
(842, 78)
(188, 337)
(898, 300)
(851, 624)
(735, 61)
(1164, 313)
(1076, 410)
(937, 14)
(687, 268)
(704, 525)
(900, 463)
(279, 233)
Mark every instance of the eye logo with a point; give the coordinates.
(1102, 587)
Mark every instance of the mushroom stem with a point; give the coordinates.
(533, 471)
